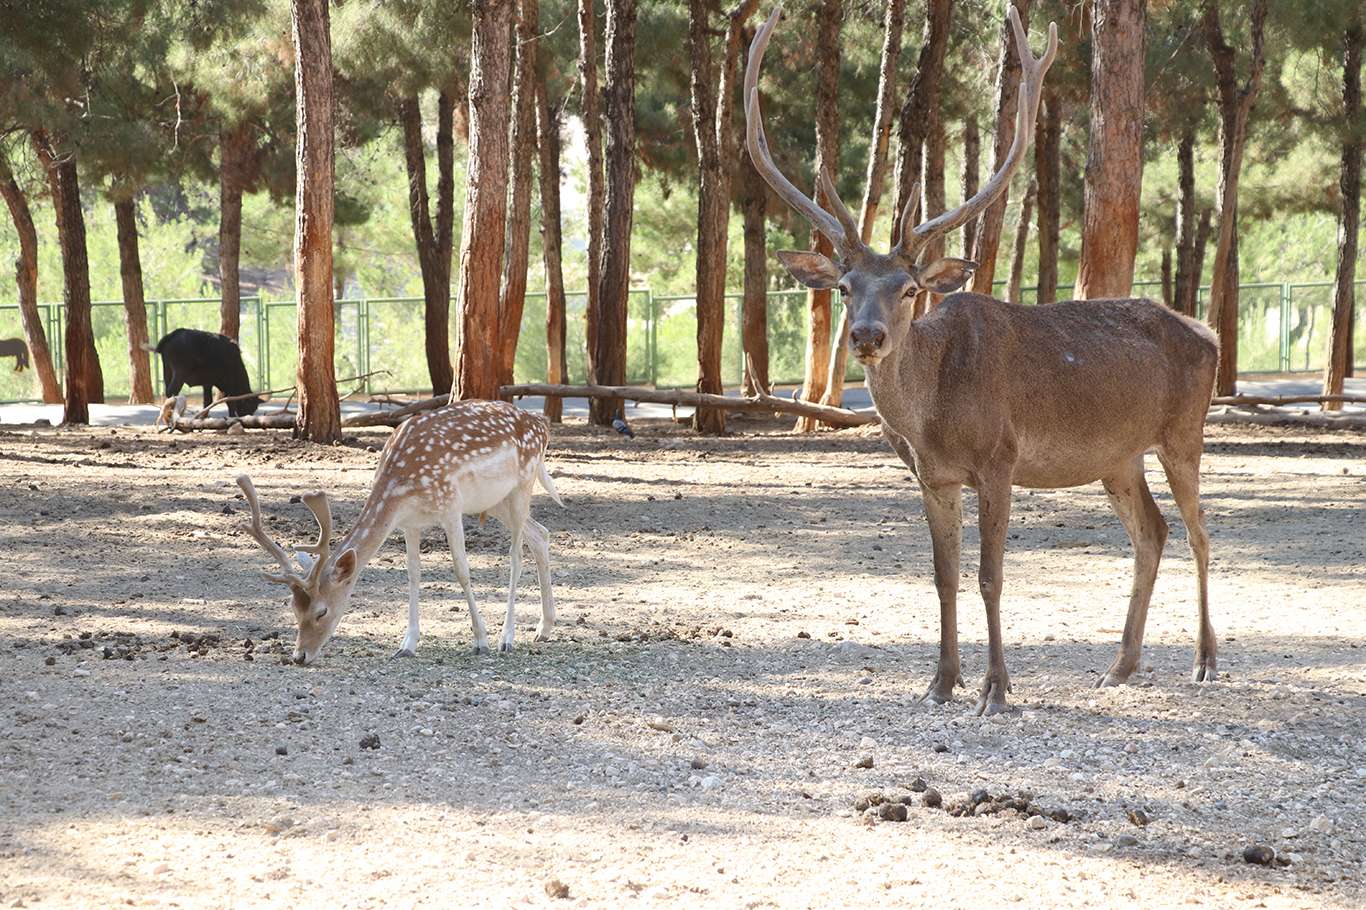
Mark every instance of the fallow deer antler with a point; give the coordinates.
(1032, 71)
(321, 508)
(290, 573)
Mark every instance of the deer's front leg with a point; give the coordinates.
(944, 510)
(413, 541)
(993, 517)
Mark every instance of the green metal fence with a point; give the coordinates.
(1282, 327)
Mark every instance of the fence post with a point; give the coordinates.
(654, 337)
(262, 377)
(1286, 290)
(363, 327)
(265, 341)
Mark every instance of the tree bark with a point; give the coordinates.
(614, 273)
(134, 305)
(829, 20)
(972, 166)
(1186, 282)
(1021, 243)
(1007, 103)
(1168, 295)
(1048, 173)
(591, 114)
(512, 297)
(932, 201)
(878, 164)
(319, 417)
(26, 277)
(1349, 218)
(712, 92)
(236, 155)
(1235, 104)
(485, 222)
(433, 242)
(548, 122)
(84, 380)
(921, 98)
(1114, 161)
(754, 307)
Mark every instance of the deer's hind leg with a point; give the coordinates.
(538, 539)
(1133, 503)
(1183, 475)
(514, 512)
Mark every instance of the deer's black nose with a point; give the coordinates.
(867, 337)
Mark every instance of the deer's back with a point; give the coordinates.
(1077, 387)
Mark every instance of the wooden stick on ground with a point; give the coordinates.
(1239, 401)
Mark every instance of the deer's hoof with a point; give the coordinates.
(542, 635)
(1205, 669)
(992, 699)
(505, 647)
(403, 652)
(481, 647)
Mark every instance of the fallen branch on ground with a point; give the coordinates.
(1239, 401)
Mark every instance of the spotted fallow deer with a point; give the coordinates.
(467, 458)
(992, 395)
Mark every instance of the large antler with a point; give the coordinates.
(289, 575)
(1032, 71)
(840, 227)
(321, 508)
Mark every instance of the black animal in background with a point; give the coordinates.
(194, 358)
(15, 347)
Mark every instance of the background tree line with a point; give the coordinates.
(1201, 140)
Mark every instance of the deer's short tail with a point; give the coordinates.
(549, 485)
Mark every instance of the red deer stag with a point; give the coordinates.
(992, 395)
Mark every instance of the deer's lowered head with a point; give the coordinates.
(320, 584)
(879, 288)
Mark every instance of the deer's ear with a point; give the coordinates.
(345, 567)
(944, 276)
(811, 269)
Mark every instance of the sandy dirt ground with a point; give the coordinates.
(725, 713)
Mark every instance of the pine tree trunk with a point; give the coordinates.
(1203, 229)
(1349, 219)
(972, 165)
(754, 307)
(829, 19)
(134, 306)
(1114, 162)
(234, 152)
(485, 222)
(1021, 243)
(1187, 281)
(433, 242)
(988, 239)
(1048, 172)
(512, 297)
(614, 275)
(84, 381)
(319, 417)
(921, 99)
(548, 142)
(878, 164)
(712, 92)
(932, 201)
(1235, 105)
(26, 277)
(1168, 295)
(591, 115)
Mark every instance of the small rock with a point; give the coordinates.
(281, 750)
(1139, 817)
(918, 785)
(803, 634)
(557, 889)
(893, 812)
(660, 724)
(236, 429)
(1126, 840)
(49, 661)
(161, 868)
(978, 796)
(80, 671)
(370, 741)
(1321, 824)
(1131, 748)
(279, 824)
(711, 782)
(932, 798)
(865, 761)
(940, 747)
(698, 763)
(1036, 823)
(1259, 855)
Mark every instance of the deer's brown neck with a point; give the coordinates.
(895, 382)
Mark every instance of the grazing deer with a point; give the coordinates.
(471, 457)
(992, 395)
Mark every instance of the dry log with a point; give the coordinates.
(1239, 401)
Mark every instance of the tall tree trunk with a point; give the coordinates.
(1007, 103)
(84, 381)
(754, 307)
(712, 94)
(1114, 162)
(433, 242)
(319, 411)
(1203, 228)
(1021, 243)
(1349, 218)
(512, 297)
(548, 121)
(1168, 294)
(1048, 172)
(1235, 104)
(614, 274)
(829, 20)
(236, 154)
(134, 305)
(921, 99)
(590, 111)
(1187, 282)
(972, 166)
(893, 21)
(26, 277)
(932, 201)
(485, 222)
